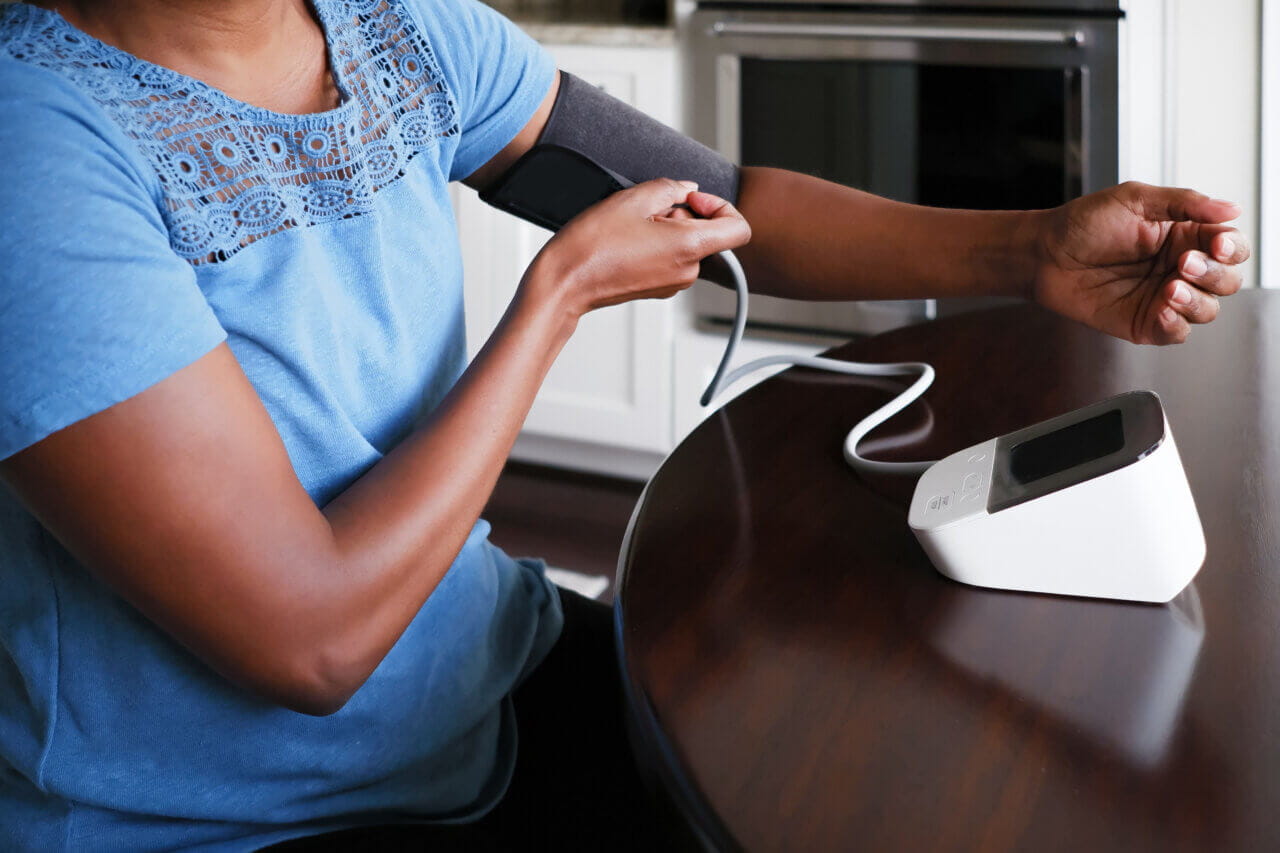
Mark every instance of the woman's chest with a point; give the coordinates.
(349, 330)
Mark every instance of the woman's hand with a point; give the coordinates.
(1140, 262)
(636, 244)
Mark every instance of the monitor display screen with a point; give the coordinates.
(1068, 447)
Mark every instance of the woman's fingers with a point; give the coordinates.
(1222, 243)
(1170, 328)
(1180, 205)
(716, 222)
(722, 226)
(1229, 246)
(1210, 275)
(710, 206)
(710, 236)
(710, 223)
(1210, 270)
(655, 198)
(1190, 302)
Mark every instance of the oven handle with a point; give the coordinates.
(1070, 38)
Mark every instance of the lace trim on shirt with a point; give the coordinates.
(233, 173)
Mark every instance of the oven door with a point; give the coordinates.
(968, 111)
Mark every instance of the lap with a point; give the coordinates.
(576, 784)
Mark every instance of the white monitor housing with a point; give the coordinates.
(1091, 503)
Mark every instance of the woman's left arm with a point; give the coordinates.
(1141, 263)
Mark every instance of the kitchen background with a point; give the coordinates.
(1167, 91)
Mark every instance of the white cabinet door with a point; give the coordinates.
(612, 383)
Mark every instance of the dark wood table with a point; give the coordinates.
(805, 680)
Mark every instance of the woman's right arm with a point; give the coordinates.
(183, 498)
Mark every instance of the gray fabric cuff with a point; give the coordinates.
(632, 144)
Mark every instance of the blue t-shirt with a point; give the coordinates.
(147, 217)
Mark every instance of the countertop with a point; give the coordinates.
(599, 35)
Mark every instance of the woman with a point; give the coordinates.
(247, 597)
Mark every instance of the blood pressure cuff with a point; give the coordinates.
(593, 145)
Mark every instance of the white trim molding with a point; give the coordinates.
(1268, 240)
(1146, 66)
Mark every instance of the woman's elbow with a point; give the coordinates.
(314, 704)
(309, 682)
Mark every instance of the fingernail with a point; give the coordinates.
(690, 184)
(1195, 266)
(1168, 315)
(1227, 249)
(1181, 295)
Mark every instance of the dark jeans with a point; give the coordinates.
(576, 786)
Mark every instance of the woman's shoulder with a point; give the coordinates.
(54, 81)
(39, 102)
(26, 84)
(51, 131)
(35, 63)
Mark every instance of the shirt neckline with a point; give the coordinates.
(178, 80)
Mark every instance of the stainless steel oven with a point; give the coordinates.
(995, 105)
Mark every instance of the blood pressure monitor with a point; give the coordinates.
(1092, 503)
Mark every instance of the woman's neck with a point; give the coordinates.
(269, 53)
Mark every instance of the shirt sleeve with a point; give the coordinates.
(94, 304)
(495, 72)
